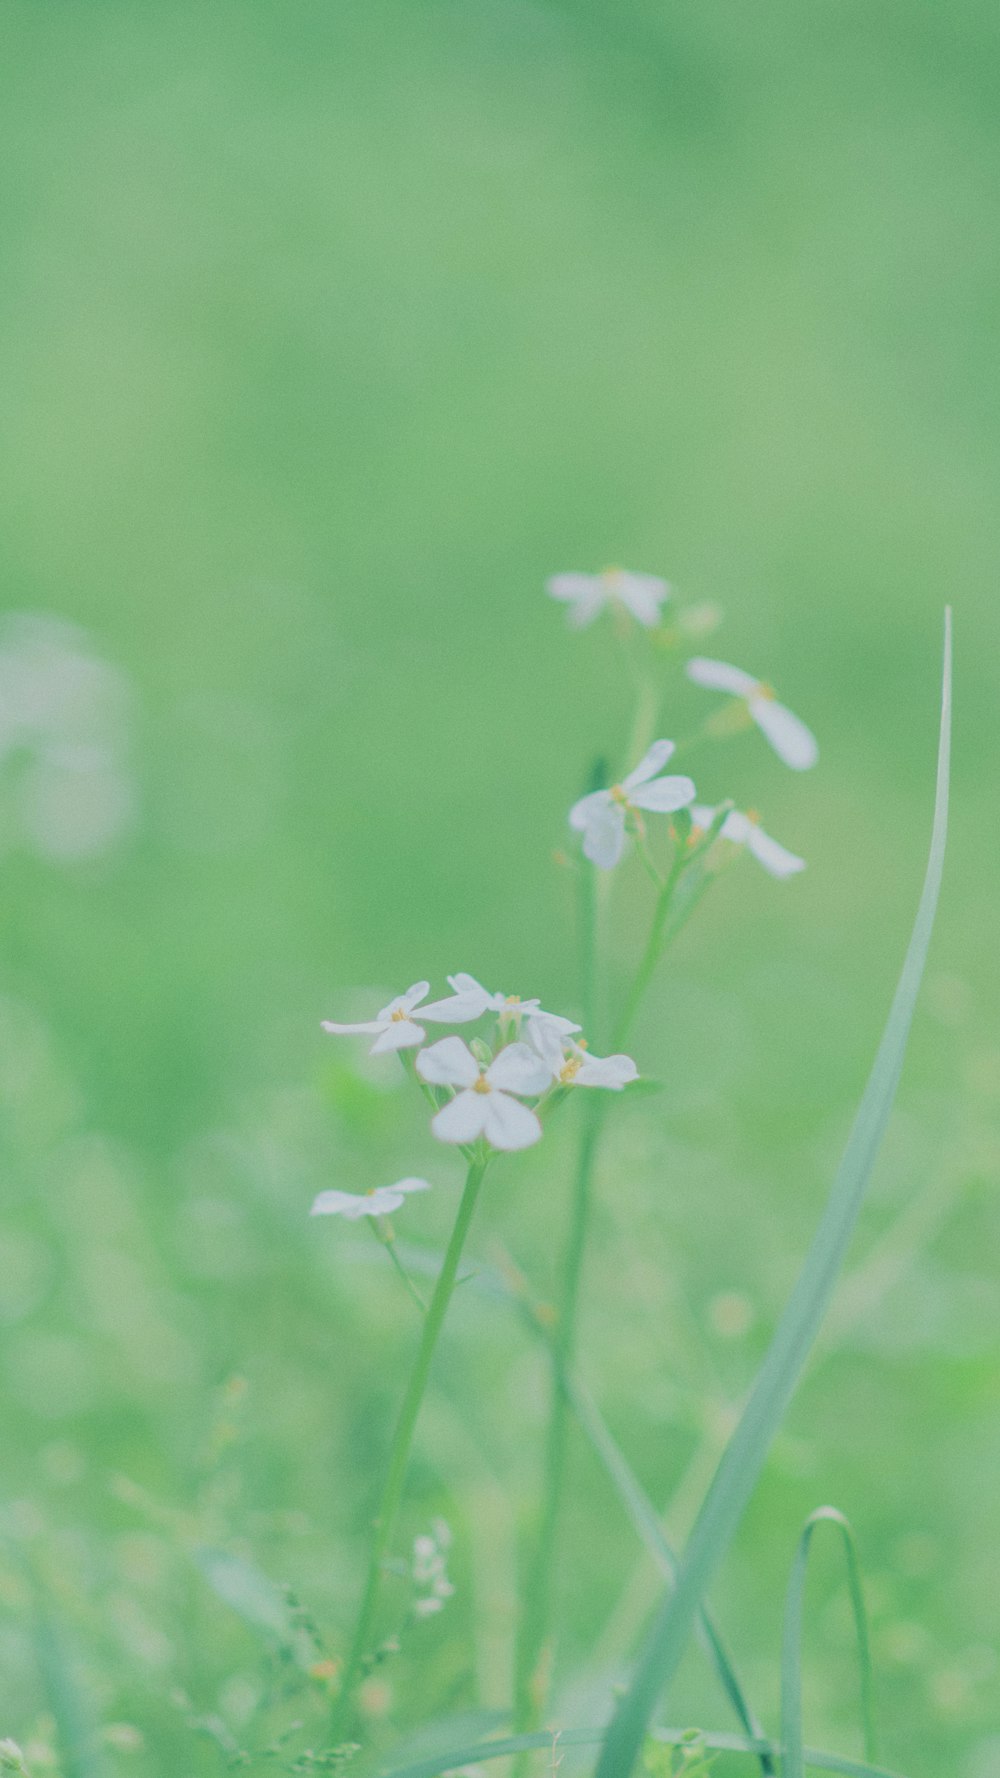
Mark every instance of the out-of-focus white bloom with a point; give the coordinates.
(788, 735)
(743, 830)
(641, 595)
(430, 1570)
(64, 717)
(469, 993)
(600, 817)
(394, 1028)
(572, 1065)
(483, 1104)
(382, 1200)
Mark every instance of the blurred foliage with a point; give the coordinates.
(326, 333)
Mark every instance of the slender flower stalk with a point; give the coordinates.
(384, 1523)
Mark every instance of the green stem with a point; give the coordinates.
(654, 948)
(411, 1289)
(384, 1524)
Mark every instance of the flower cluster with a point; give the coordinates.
(493, 1091)
(429, 1570)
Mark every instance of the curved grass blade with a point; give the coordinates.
(553, 1740)
(793, 1762)
(743, 1459)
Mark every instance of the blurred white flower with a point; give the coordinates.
(600, 817)
(395, 1029)
(483, 1104)
(429, 1569)
(744, 830)
(572, 1065)
(63, 738)
(382, 1200)
(792, 741)
(641, 595)
(469, 993)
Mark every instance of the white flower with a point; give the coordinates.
(743, 830)
(469, 993)
(483, 1105)
(572, 1065)
(587, 594)
(380, 1201)
(600, 817)
(394, 1027)
(791, 740)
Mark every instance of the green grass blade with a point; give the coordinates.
(743, 1459)
(793, 1762)
(646, 1521)
(478, 1752)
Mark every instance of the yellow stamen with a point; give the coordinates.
(482, 1085)
(570, 1069)
(618, 795)
(764, 690)
(399, 1015)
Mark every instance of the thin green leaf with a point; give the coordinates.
(743, 1459)
(248, 1591)
(477, 1752)
(76, 1726)
(791, 1647)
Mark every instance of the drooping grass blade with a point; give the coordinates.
(793, 1760)
(477, 1752)
(743, 1459)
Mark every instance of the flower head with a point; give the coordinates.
(571, 1064)
(600, 817)
(744, 830)
(395, 1028)
(641, 595)
(468, 993)
(382, 1200)
(788, 735)
(484, 1102)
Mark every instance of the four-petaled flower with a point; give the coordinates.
(600, 817)
(380, 1201)
(483, 1104)
(396, 1029)
(468, 993)
(572, 1065)
(788, 735)
(641, 595)
(743, 830)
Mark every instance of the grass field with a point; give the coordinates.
(327, 334)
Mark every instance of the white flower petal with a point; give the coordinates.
(571, 586)
(449, 1063)
(792, 741)
(643, 594)
(702, 816)
(467, 984)
(582, 812)
(410, 1184)
(463, 1118)
(455, 1009)
(664, 795)
(339, 1204)
(508, 1124)
(607, 1071)
(414, 994)
(366, 1027)
(604, 837)
(385, 1201)
(518, 1069)
(554, 1020)
(399, 1034)
(737, 827)
(652, 761)
(719, 676)
(776, 859)
(549, 1043)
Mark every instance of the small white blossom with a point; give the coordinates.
(468, 993)
(792, 741)
(572, 1065)
(395, 1028)
(743, 830)
(600, 817)
(641, 595)
(483, 1104)
(382, 1200)
(429, 1569)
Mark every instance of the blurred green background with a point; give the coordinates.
(327, 332)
